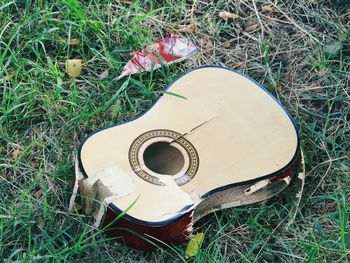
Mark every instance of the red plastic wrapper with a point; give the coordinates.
(166, 51)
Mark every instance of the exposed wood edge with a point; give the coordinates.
(237, 196)
(95, 197)
(301, 177)
(78, 176)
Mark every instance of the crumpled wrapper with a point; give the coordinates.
(166, 51)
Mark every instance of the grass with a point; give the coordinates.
(44, 115)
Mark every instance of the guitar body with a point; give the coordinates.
(221, 141)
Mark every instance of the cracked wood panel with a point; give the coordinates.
(238, 130)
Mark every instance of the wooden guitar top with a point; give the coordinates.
(223, 130)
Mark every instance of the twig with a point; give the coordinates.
(261, 24)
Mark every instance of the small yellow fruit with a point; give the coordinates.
(194, 245)
(74, 42)
(73, 67)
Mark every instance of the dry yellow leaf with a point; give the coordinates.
(126, 2)
(73, 67)
(194, 245)
(268, 8)
(15, 153)
(227, 15)
(17, 150)
(189, 28)
(38, 194)
(74, 42)
(206, 43)
(252, 27)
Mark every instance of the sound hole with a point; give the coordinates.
(162, 158)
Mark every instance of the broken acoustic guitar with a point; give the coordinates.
(223, 141)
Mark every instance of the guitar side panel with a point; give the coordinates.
(235, 196)
(176, 232)
(136, 235)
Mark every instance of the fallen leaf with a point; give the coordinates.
(228, 43)
(73, 67)
(15, 154)
(38, 194)
(252, 27)
(206, 43)
(227, 15)
(189, 28)
(18, 149)
(74, 42)
(268, 8)
(126, 2)
(170, 49)
(345, 18)
(104, 74)
(34, 164)
(194, 245)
